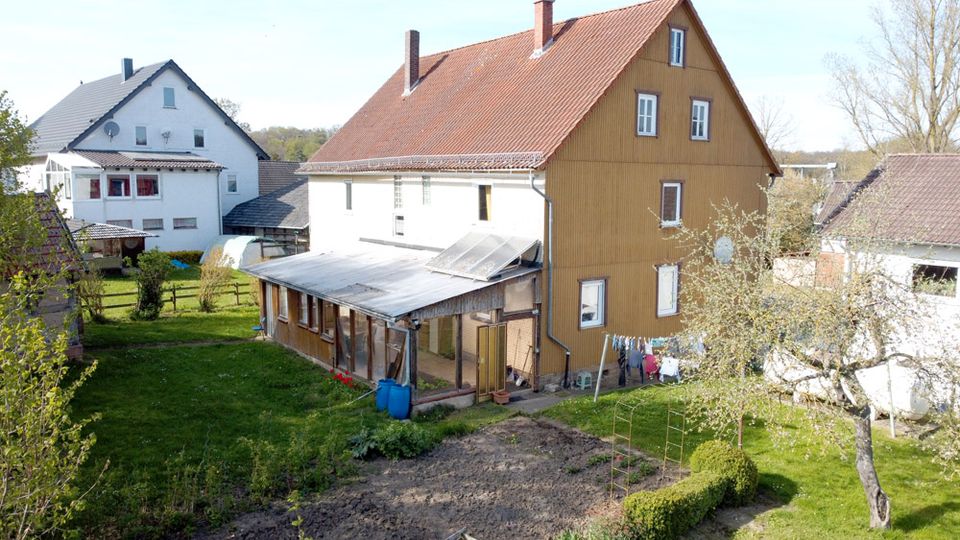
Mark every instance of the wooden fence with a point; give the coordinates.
(176, 294)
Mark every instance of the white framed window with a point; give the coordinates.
(169, 98)
(348, 192)
(141, 135)
(484, 202)
(185, 223)
(58, 177)
(232, 183)
(647, 114)
(700, 120)
(128, 223)
(118, 186)
(398, 226)
(284, 307)
(153, 224)
(304, 310)
(671, 204)
(668, 290)
(199, 138)
(88, 187)
(425, 186)
(593, 300)
(397, 193)
(935, 280)
(678, 47)
(148, 186)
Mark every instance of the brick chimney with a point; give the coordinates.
(411, 65)
(126, 69)
(543, 25)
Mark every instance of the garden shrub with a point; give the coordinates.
(394, 440)
(453, 428)
(215, 274)
(723, 458)
(188, 257)
(154, 269)
(671, 511)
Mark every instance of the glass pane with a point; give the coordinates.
(379, 353)
(590, 302)
(346, 338)
(329, 318)
(362, 347)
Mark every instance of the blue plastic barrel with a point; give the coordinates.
(399, 406)
(383, 393)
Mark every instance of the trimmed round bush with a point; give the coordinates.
(673, 510)
(735, 464)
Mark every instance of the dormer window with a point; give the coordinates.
(169, 98)
(678, 47)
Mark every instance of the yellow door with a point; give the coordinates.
(491, 360)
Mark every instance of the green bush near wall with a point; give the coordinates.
(721, 475)
(188, 257)
(721, 457)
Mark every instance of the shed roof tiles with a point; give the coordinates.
(285, 208)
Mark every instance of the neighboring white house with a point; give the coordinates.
(147, 149)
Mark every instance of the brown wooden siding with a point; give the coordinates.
(605, 182)
(296, 336)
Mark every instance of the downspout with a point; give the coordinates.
(553, 338)
(220, 206)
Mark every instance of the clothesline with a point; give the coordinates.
(637, 352)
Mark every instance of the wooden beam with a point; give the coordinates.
(369, 348)
(414, 347)
(353, 341)
(458, 349)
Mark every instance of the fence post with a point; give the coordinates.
(174, 298)
(236, 291)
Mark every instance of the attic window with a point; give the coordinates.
(678, 46)
(169, 98)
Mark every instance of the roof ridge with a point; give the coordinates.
(561, 23)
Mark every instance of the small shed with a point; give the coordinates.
(105, 245)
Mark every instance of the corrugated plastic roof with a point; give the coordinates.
(384, 281)
(285, 208)
(912, 198)
(491, 106)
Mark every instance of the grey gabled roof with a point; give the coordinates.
(89, 230)
(91, 104)
(285, 208)
(278, 174)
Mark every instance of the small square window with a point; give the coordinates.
(155, 224)
(593, 303)
(185, 223)
(647, 115)
(141, 135)
(118, 186)
(232, 183)
(700, 120)
(668, 289)
(169, 98)
(677, 47)
(484, 202)
(148, 185)
(198, 138)
(671, 194)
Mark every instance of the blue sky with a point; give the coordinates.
(314, 63)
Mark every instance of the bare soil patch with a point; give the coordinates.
(521, 478)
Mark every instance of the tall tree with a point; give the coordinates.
(765, 335)
(42, 448)
(232, 109)
(776, 125)
(910, 87)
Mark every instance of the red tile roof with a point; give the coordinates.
(912, 198)
(489, 105)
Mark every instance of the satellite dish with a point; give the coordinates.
(723, 250)
(111, 128)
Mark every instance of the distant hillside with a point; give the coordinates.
(290, 143)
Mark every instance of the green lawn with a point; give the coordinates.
(189, 277)
(229, 323)
(822, 492)
(195, 435)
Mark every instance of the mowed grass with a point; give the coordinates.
(180, 278)
(229, 323)
(185, 429)
(820, 489)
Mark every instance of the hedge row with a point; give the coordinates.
(721, 475)
(188, 257)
